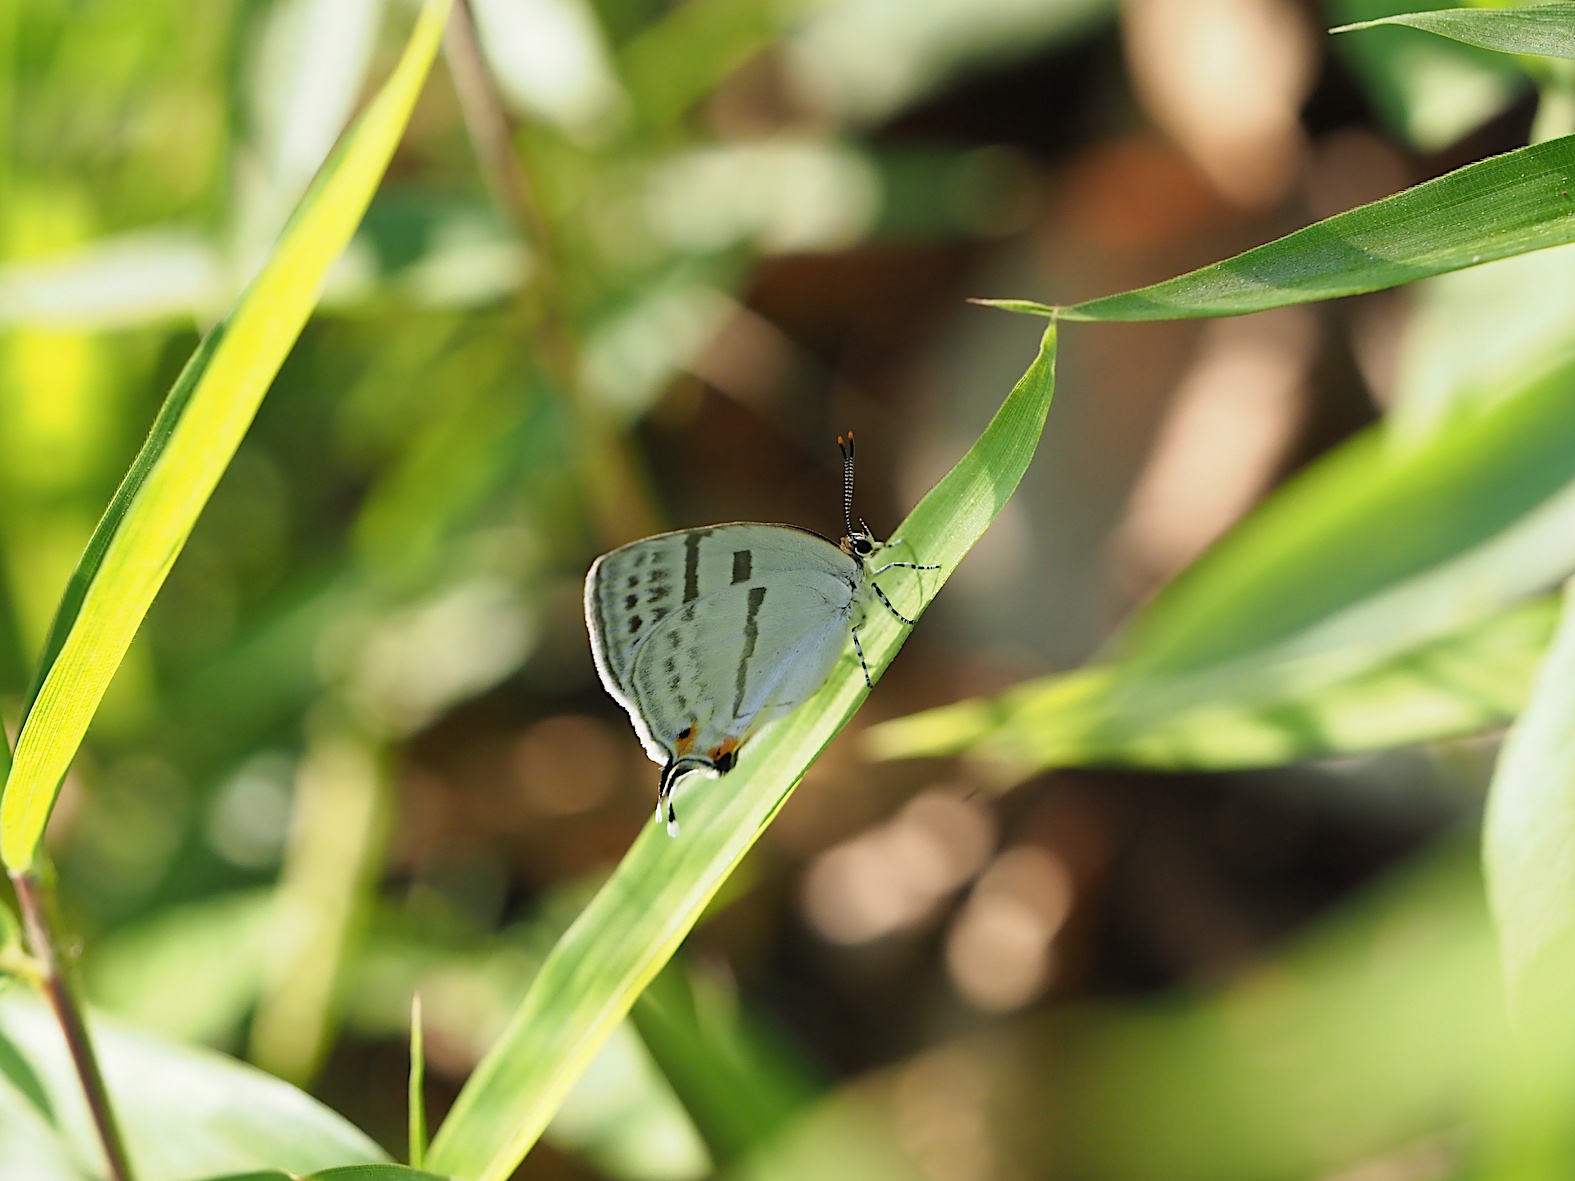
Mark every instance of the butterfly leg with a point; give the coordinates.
(882, 595)
(900, 566)
(859, 648)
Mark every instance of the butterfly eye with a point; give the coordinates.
(862, 545)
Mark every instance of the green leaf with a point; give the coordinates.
(1545, 30)
(196, 432)
(1511, 204)
(739, 1082)
(190, 972)
(1470, 336)
(638, 919)
(185, 1112)
(1429, 90)
(1355, 609)
(1255, 714)
(1530, 824)
(21, 1075)
(1491, 488)
(681, 58)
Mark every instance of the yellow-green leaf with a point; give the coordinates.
(196, 433)
(638, 919)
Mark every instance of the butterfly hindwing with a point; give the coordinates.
(645, 588)
(738, 657)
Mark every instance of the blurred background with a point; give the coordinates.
(359, 748)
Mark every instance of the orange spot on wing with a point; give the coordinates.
(686, 741)
(725, 748)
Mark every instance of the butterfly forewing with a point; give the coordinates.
(751, 618)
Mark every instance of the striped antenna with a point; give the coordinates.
(847, 480)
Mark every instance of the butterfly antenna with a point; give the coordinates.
(846, 447)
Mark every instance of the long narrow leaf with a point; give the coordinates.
(1530, 826)
(1362, 606)
(642, 914)
(191, 443)
(1544, 30)
(1252, 715)
(1511, 204)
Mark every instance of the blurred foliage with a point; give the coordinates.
(526, 356)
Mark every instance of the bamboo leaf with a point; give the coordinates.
(1370, 602)
(638, 919)
(1507, 205)
(186, 1111)
(1544, 30)
(196, 432)
(1257, 714)
(1530, 825)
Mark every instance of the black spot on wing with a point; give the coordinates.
(757, 596)
(743, 562)
(635, 624)
(630, 602)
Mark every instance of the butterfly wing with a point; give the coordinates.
(646, 588)
(736, 658)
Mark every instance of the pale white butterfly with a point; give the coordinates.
(704, 635)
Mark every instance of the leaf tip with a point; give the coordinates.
(1023, 307)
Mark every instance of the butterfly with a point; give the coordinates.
(704, 635)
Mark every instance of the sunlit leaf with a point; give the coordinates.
(185, 1112)
(739, 1083)
(1363, 605)
(1430, 90)
(1547, 30)
(1530, 824)
(1511, 204)
(1251, 714)
(659, 890)
(192, 440)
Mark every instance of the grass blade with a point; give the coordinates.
(1543, 30)
(1254, 715)
(1530, 824)
(1359, 607)
(1507, 205)
(196, 432)
(417, 1086)
(638, 919)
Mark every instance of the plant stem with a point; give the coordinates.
(488, 126)
(621, 504)
(33, 900)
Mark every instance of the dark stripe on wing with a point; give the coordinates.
(743, 562)
(692, 564)
(757, 596)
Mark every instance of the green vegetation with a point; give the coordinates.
(500, 268)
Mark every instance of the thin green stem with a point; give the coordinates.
(418, 1099)
(621, 504)
(34, 901)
